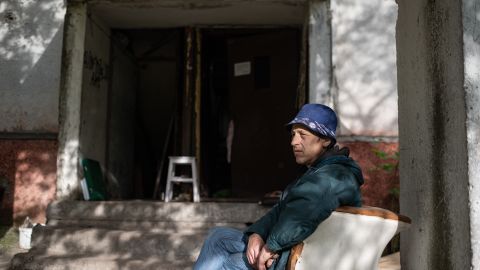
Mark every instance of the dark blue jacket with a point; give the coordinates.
(331, 182)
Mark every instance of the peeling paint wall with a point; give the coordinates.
(364, 84)
(31, 34)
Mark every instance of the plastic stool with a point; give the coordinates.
(173, 161)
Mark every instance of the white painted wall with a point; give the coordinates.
(320, 53)
(364, 62)
(31, 34)
(93, 126)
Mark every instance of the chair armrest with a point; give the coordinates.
(295, 253)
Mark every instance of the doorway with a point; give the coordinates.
(249, 83)
(223, 95)
(248, 80)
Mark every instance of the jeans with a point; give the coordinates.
(224, 249)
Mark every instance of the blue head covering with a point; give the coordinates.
(318, 118)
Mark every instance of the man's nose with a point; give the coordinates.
(294, 140)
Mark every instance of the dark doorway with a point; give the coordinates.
(249, 82)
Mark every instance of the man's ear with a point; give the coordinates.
(326, 143)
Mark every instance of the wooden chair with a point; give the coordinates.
(352, 238)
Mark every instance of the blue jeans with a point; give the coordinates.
(224, 249)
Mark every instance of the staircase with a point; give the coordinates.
(135, 235)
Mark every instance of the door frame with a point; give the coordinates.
(317, 17)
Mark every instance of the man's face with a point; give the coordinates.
(307, 147)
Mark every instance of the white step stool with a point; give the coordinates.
(182, 160)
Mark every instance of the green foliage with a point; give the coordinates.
(383, 155)
(391, 160)
(223, 193)
(388, 167)
(395, 192)
(8, 238)
(380, 153)
(3, 182)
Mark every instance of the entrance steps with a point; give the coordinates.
(128, 234)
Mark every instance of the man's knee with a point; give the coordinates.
(221, 236)
(219, 232)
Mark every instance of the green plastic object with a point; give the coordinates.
(94, 178)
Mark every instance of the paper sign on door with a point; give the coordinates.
(241, 69)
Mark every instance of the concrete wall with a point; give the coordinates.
(364, 86)
(27, 177)
(138, 14)
(121, 124)
(471, 52)
(70, 101)
(96, 68)
(320, 53)
(31, 35)
(435, 162)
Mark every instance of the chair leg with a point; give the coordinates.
(196, 194)
(168, 191)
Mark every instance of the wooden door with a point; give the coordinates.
(263, 74)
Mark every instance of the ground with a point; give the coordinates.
(8, 245)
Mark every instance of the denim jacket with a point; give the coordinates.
(331, 182)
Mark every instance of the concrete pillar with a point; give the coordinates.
(70, 101)
(320, 52)
(471, 52)
(438, 63)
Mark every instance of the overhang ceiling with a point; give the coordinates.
(176, 13)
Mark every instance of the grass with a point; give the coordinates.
(8, 239)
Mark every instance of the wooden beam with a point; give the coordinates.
(198, 96)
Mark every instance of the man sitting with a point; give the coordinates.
(332, 180)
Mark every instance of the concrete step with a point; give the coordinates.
(174, 216)
(120, 243)
(129, 234)
(33, 261)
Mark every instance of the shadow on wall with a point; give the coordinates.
(30, 53)
(364, 56)
(471, 20)
(28, 173)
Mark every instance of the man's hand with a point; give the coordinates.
(255, 245)
(266, 258)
